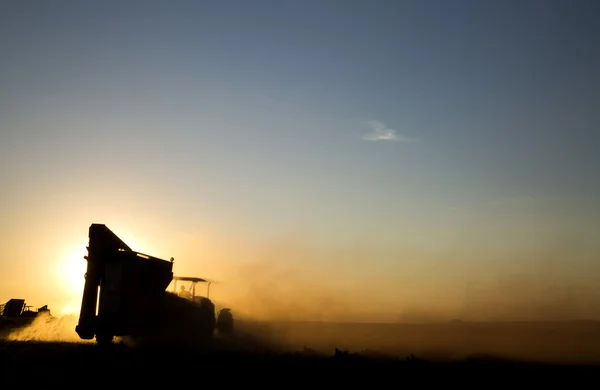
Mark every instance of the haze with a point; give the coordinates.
(321, 160)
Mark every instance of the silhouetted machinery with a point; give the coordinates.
(15, 313)
(125, 294)
(224, 319)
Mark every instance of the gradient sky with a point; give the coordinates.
(380, 154)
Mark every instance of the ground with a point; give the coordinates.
(271, 354)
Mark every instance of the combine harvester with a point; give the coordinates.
(125, 295)
(17, 314)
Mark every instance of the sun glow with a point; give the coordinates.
(69, 310)
(73, 270)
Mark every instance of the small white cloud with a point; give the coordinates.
(378, 131)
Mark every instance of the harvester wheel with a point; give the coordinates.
(104, 339)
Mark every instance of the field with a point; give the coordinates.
(267, 353)
(548, 342)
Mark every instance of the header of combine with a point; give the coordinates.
(123, 288)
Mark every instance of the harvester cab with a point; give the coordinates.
(187, 288)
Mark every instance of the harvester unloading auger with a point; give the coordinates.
(125, 294)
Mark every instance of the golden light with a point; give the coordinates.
(68, 310)
(72, 272)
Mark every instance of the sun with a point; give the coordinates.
(72, 272)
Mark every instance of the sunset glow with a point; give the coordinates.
(73, 273)
(388, 160)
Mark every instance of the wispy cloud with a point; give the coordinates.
(378, 131)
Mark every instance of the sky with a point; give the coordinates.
(380, 160)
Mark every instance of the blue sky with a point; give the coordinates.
(399, 126)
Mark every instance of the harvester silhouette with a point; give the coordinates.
(125, 294)
(17, 314)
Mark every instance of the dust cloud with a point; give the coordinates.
(267, 291)
(274, 293)
(47, 328)
(537, 307)
(291, 280)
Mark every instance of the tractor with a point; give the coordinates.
(224, 318)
